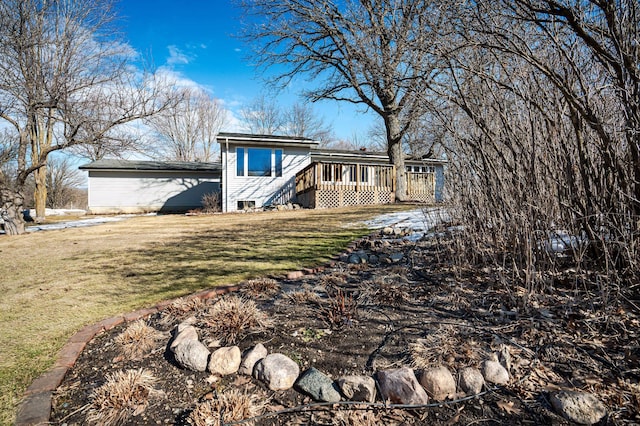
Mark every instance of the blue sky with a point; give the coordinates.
(195, 40)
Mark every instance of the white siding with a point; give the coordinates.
(148, 191)
(262, 190)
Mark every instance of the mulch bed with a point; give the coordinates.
(421, 311)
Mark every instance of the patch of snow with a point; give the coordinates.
(77, 223)
(419, 221)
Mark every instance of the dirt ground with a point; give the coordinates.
(419, 311)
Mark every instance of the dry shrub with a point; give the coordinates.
(388, 290)
(261, 288)
(305, 296)
(232, 404)
(341, 311)
(124, 395)
(137, 340)
(180, 308)
(212, 202)
(232, 317)
(448, 346)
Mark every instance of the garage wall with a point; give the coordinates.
(148, 191)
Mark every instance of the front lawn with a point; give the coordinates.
(55, 282)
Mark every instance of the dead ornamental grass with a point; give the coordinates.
(231, 318)
(55, 282)
(229, 406)
(137, 340)
(124, 395)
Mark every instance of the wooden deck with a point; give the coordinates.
(329, 185)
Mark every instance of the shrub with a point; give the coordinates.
(212, 202)
(124, 395)
(342, 310)
(229, 406)
(137, 340)
(231, 318)
(261, 288)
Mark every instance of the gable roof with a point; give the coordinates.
(137, 165)
(250, 139)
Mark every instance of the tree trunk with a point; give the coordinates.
(40, 193)
(11, 212)
(396, 155)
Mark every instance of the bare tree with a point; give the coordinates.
(302, 120)
(65, 80)
(63, 182)
(263, 116)
(371, 52)
(188, 130)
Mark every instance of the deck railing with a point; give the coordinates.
(346, 176)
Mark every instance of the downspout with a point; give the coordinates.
(225, 184)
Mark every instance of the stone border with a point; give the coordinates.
(35, 408)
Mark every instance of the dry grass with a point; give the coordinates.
(260, 288)
(230, 406)
(304, 297)
(55, 282)
(232, 318)
(391, 290)
(448, 345)
(180, 308)
(124, 395)
(137, 340)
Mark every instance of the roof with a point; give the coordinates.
(250, 139)
(108, 164)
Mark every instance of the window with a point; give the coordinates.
(246, 205)
(259, 162)
(240, 161)
(278, 162)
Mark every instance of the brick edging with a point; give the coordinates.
(35, 408)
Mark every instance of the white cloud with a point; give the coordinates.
(177, 56)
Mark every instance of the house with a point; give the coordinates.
(256, 171)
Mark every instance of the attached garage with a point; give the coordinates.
(121, 186)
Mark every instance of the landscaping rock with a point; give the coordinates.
(192, 355)
(580, 407)
(278, 371)
(387, 231)
(251, 357)
(494, 372)
(358, 388)
(400, 386)
(471, 381)
(439, 383)
(318, 386)
(396, 257)
(183, 334)
(225, 361)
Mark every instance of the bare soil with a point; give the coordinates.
(420, 311)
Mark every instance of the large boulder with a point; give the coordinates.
(192, 355)
(250, 359)
(278, 371)
(494, 372)
(358, 388)
(225, 361)
(580, 407)
(471, 381)
(183, 334)
(400, 386)
(318, 386)
(439, 383)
